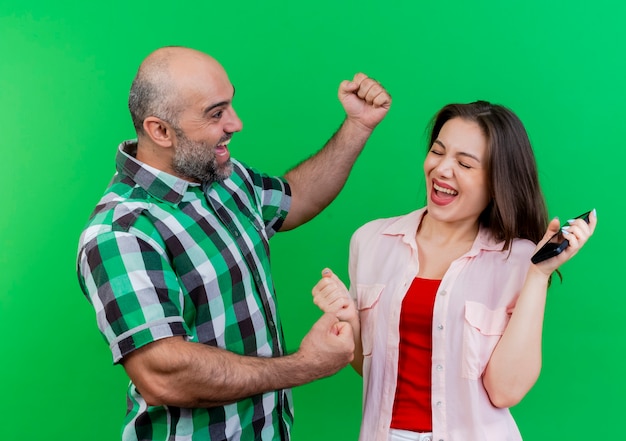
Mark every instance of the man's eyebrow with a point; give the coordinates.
(213, 106)
(220, 104)
(469, 155)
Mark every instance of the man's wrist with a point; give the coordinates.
(355, 127)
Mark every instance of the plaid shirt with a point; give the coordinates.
(163, 257)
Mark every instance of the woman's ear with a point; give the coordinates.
(159, 131)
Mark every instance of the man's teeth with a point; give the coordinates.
(445, 190)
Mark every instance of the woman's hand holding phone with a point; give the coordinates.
(567, 240)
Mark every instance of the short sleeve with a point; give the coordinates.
(274, 194)
(133, 289)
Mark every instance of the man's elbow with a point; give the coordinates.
(160, 392)
(154, 397)
(156, 373)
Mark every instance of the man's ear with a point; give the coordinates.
(159, 131)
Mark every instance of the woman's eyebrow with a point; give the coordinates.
(469, 155)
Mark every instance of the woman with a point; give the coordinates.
(448, 309)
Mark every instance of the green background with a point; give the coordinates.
(65, 71)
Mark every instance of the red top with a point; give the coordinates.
(412, 407)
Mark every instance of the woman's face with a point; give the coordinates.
(455, 171)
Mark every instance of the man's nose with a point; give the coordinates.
(233, 124)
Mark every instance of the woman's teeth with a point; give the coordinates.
(445, 190)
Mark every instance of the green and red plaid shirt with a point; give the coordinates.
(163, 257)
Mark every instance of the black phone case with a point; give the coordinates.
(551, 249)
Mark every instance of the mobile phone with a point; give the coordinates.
(557, 243)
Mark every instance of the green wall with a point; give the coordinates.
(65, 70)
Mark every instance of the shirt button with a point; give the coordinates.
(439, 368)
(439, 404)
(444, 292)
(440, 326)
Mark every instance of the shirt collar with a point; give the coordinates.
(157, 183)
(406, 226)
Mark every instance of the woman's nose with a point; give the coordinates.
(444, 167)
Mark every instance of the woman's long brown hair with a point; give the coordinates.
(517, 208)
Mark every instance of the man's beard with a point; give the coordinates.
(196, 160)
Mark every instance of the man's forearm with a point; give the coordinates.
(179, 373)
(318, 180)
(184, 374)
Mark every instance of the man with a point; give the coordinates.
(175, 258)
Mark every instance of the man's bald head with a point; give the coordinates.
(164, 81)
